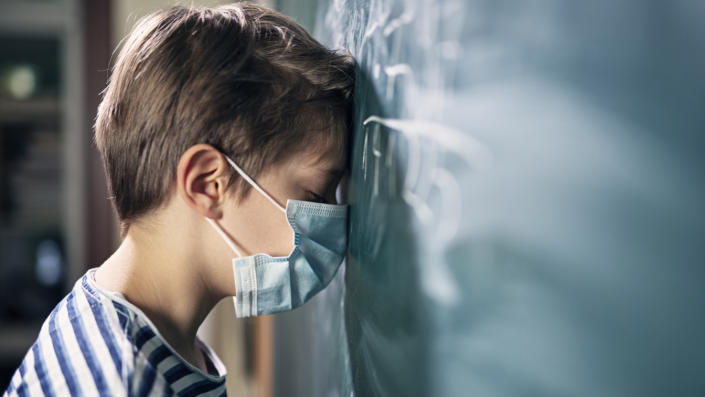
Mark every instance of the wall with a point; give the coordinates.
(528, 203)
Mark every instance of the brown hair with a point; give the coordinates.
(243, 78)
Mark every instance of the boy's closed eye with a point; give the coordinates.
(320, 192)
(316, 197)
(321, 187)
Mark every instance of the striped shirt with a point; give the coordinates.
(95, 342)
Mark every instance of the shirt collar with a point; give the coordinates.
(141, 327)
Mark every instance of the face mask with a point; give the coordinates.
(266, 284)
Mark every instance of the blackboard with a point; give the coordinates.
(528, 203)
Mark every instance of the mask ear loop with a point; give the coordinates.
(230, 244)
(254, 184)
(259, 189)
(224, 236)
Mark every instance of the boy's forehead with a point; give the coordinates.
(328, 148)
(321, 158)
(326, 159)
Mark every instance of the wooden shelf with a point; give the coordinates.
(41, 108)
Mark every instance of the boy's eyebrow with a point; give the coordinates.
(331, 174)
(334, 173)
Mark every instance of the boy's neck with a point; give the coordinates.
(165, 285)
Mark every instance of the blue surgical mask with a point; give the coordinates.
(266, 284)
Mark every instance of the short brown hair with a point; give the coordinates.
(243, 78)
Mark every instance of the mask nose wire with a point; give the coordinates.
(254, 184)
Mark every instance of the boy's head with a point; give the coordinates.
(244, 79)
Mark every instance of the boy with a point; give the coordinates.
(218, 124)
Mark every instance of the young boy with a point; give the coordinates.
(227, 124)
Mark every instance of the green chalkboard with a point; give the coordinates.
(527, 203)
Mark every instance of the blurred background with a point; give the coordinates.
(55, 219)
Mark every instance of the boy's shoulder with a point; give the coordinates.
(83, 348)
(97, 343)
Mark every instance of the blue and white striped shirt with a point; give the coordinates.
(95, 342)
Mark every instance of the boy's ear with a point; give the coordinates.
(201, 176)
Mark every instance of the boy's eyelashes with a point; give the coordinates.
(318, 192)
(316, 197)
